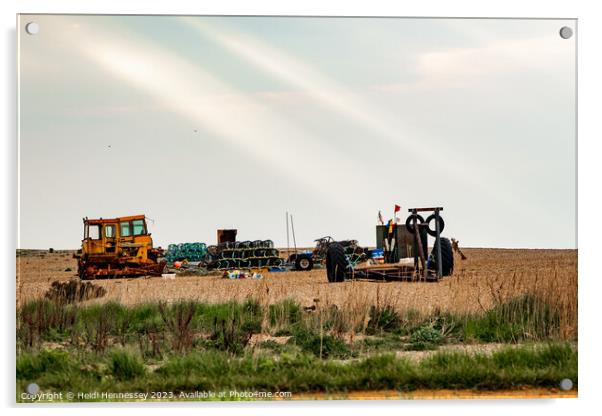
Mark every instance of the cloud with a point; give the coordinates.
(475, 67)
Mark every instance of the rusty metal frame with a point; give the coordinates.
(399, 272)
(436, 211)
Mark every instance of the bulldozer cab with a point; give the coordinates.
(115, 236)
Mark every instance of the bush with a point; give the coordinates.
(425, 338)
(230, 335)
(98, 322)
(125, 365)
(74, 291)
(178, 320)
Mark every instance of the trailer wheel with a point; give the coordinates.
(303, 263)
(447, 257)
(336, 263)
(410, 222)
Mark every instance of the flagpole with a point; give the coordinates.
(393, 235)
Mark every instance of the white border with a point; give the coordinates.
(589, 242)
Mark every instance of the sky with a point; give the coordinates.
(204, 123)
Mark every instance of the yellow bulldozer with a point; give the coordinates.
(118, 247)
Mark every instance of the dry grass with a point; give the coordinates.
(487, 278)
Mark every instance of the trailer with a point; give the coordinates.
(307, 260)
(405, 259)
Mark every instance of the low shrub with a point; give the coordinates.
(230, 335)
(74, 291)
(425, 338)
(125, 365)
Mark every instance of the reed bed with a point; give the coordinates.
(489, 280)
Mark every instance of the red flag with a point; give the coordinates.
(397, 208)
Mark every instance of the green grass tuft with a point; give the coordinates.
(125, 365)
(30, 366)
(325, 346)
(523, 318)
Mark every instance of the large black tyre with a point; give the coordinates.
(303, 262)
(336, 263)
(433, 232)
(410, 222)
(447, 257)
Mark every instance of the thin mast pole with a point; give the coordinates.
(293, 230)
(288, 245)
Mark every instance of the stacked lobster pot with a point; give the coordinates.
(192, 252)
(243, 254)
